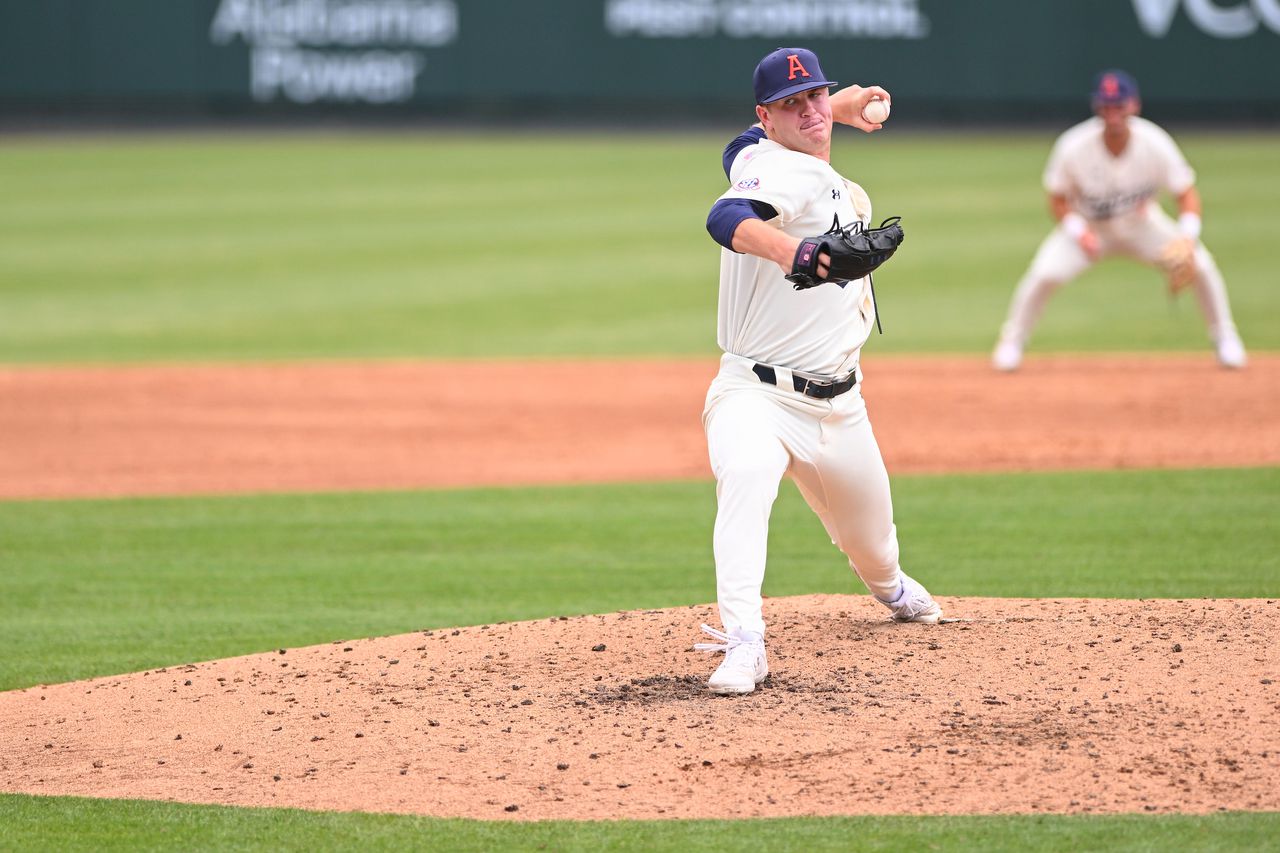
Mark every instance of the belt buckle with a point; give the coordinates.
(817, 387)
(827, 390)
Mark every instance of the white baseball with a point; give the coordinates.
(876, 110)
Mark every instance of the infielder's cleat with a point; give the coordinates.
(745, 663)
(1007, 356)
(913, 604)
(1231, 353)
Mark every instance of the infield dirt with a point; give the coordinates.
(1025, 706)
(155, 430)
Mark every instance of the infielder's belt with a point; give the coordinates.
(817, 388)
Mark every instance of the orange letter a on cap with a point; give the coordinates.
(794, 65)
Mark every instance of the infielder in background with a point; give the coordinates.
(787, 398)
(1102, 179)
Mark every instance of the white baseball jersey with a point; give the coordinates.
(1102, 186)
(761, 315)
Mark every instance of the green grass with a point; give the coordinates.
(306, 246)
(68, 823)
(100, 587)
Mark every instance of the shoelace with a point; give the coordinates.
(727, 643)
(911, 609)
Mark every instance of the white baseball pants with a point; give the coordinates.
(756, 434)
(1140, 235)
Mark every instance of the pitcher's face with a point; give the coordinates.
(801, 122)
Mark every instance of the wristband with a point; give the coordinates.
(1074, 224)
(1189, 223)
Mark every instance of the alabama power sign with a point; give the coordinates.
(344, 51)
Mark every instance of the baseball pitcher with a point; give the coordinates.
(1102, 179)
(796, 305)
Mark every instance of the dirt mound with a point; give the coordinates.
(75, 432)
(1026, 706)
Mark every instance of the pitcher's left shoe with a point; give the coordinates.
(913, 604)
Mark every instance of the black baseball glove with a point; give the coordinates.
(855, 251)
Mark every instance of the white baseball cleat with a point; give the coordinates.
(745, 663)
(913, 604)
(1007, 356)
(1231, 353)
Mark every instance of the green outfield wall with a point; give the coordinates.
(943, 59)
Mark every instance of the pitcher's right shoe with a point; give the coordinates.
(913, 604)
(745, 663)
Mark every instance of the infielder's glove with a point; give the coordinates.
(855, 251)
(1178, 262)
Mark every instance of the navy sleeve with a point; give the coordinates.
(750, 136)
(727, 214)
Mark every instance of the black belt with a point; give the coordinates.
(808, 387)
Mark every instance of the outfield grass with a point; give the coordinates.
(307, 246)
(100, 587)
(70, 823)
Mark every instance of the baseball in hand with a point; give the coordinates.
(876, 110)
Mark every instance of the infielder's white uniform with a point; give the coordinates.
(758, 432)
(1117, 197)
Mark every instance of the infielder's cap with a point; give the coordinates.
(1114, 87)
(786, 71)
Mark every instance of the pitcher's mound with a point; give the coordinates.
(1026, 706)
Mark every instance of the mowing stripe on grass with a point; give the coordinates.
(100, 587)
(321, 246)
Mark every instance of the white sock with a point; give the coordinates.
(902, 589)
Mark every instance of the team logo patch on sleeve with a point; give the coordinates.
(747, 184)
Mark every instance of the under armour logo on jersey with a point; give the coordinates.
(835, 195)
(794, 65)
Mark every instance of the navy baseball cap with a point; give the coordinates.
(786, 71)
(1114, 87)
